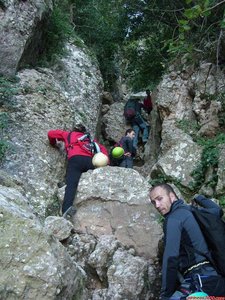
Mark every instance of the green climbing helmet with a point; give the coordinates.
(117, 152)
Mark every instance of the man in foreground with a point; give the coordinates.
(182, 232)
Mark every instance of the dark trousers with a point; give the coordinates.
(214, 286)
(212, 283)
(76, 166)
(127, 162)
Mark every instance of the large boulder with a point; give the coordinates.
(126, 277)
(21, 23)
(179, 156)
(33, 264)
(114, 201)
(116, 271)
(114, 125)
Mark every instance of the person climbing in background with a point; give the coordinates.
(80, 150)
(147, 102)
(182, 232)
(132, 113)
(126, 143)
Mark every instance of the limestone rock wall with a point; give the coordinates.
(33, 264)
(20, 23)
(49, 99)
(188, 108)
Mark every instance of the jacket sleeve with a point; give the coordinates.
(210, 205)
(129, 146)
(172, 231)
(54, 135)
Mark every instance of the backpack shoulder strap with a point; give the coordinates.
(69, 137)
(69, 145)
(92, 146)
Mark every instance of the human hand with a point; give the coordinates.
(128, 154)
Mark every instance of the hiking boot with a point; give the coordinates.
(61, 184)
(69, 213)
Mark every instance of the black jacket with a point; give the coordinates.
(127, 144)
(181, 230)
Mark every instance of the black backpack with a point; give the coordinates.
(85, 142)
(213, 230)
(130, 109)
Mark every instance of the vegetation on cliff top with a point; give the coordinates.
(146, 34)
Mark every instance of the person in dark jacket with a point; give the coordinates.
(79, 154)
(129, 151)
(138, 124)
(181, 231)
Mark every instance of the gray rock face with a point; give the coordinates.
(19, 22)
(114, 201)
(115, 232)
(186, 109)
(114, 122)
(101, 257)
(47, 99)
(180, 155)
(33, 265)
(117, 273)
(58, 227)
(220, 188)
(126, 278)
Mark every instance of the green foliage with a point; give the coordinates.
(56, 32)
(222, 201)
(3, 143)
(2, 5)
(146, 64)
(159, 178)
(3, 148)
(209, 160)
(163, 178)
(8, 88)
(198, 30)
(100, 25)
(221, 115)
(53, 207)
(188, 127)
(145, 34)
(3, 121)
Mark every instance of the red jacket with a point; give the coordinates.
(76, 148)
(147, 104)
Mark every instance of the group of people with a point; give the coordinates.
(77, 145)
(129, 142)
(136, 120)
(182, 270)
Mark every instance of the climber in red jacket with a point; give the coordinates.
(80, 149)
(147, 103)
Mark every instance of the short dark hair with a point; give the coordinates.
(164, 186)
(129, 131)
(79, 128)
